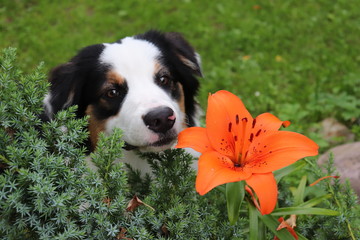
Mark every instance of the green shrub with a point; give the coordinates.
(48, 192)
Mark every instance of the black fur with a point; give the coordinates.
(75, 82)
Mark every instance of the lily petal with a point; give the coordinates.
(231, 103)
(269, 122)
(264, 185)
(225, 112)
(263, 124)
(195, 138)
(277, 150)
(216, 169)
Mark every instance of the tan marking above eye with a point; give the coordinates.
(114, 78)
(160, 71)
(157, 68)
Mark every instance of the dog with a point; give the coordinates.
(145, 85)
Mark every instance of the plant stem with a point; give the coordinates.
(261, 230)
(253, 222)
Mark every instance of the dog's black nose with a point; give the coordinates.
(160, 119)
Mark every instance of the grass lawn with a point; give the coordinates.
(299, 60)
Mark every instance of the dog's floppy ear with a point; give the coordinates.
(69, 81)
(64, 90)
(185, 52)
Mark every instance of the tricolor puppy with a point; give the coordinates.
(143, 84)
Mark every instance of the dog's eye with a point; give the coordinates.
(112, 93)
(164, 80)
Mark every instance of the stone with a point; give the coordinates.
(347, 163)
(335, 132)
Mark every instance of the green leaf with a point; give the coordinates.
(315, 201)
(261, 230)
(289, 169)
(304, 210)
(253, 222)
(257, 228)
(300, 192)
(235, 193)
(272, 223)
(301, 237)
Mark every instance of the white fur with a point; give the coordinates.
(135, 60)
(47, 105)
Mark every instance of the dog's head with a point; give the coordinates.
(144, 85)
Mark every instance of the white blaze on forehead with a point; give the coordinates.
(135, 60)
(132, 58)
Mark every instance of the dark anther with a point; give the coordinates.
(237, 165)
(251, 137)
(244, 119)
(230, 125)
(237, 119)
(258, 133)
(253, 123)
(235, 138)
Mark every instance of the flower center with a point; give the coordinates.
(237, 165)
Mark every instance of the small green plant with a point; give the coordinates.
(340, 197)
(46, 190)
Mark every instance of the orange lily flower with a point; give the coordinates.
(234, 147)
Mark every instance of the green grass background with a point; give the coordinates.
(299, 60)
